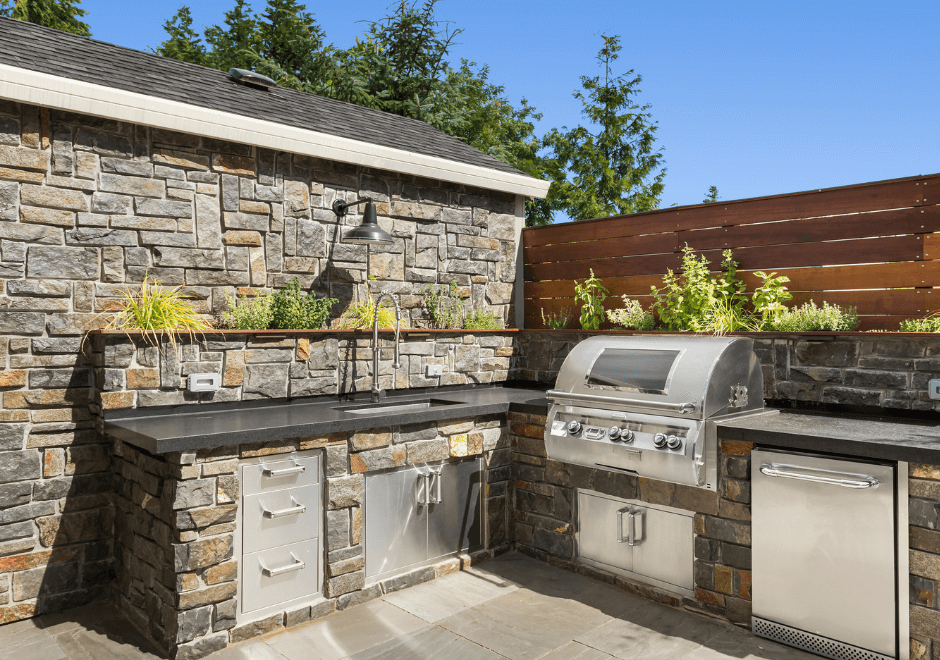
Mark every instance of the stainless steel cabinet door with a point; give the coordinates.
(664, 544)
(455, 522)
(824, 551)
(396, 524)
(602, 533)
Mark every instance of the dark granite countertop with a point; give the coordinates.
(187, 428)
(886, 438)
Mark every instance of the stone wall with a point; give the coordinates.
(544, 516)
(176, 520)
(864, 371)
(90, 206)
(924, 540)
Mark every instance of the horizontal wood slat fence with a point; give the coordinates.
(874, 246)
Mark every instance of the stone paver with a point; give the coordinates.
(513, 607)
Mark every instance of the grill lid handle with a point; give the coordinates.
(685, 408)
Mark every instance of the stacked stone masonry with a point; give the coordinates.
(924, 540)
(545, 519)
(861, 371)
(176, 522)
(89, 207)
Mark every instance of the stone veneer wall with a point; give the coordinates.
(544, 518)
(175, 526)
(924, 539)
(859, 370)
(90, 206)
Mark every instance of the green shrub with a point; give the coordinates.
(249, 313)
(556, 320)
(769, 297)
(684, 299)
(592, 295)
(631, 317)
(928, 324)
(361, 315)
(480, 319)
(445, 308)
(810, 318)
(291, 309)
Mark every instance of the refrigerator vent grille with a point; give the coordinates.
(828, 648)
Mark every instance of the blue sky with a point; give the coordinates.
(756, 98)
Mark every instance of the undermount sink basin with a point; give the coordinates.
(389, 407)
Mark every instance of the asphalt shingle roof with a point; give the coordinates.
(42, 49)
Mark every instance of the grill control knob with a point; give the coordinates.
(574, 428)
(627, 435)
(673, 442)
(614, 433)
(659, 440)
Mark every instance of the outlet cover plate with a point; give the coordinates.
(203, 382)
(432, 370)
(934, 388)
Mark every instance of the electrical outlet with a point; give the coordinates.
(934, 389)
(433, 370)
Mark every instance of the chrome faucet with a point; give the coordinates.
(378, 393)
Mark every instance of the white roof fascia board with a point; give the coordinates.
(42, 89)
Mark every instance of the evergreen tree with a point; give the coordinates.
(59, 14)
(609, 167)
(711, 196)
(184, 42)
(233, 46)
(289, 36)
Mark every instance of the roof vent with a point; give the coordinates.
(251, 78)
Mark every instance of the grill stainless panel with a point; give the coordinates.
(666, 391)
(827, 648)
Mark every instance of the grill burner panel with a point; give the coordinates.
(648, 405)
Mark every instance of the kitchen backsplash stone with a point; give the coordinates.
(868, 371)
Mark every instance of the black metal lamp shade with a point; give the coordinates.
(369, 232)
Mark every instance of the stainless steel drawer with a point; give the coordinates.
(279, 575)
(272, 519)
(278, 473)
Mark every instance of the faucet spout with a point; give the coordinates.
(377, 392)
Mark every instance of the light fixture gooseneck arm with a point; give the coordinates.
(340, 207)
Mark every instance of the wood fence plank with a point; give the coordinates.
(882, 223)
(876, 196)
(585, 251)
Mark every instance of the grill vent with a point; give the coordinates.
(828, 648)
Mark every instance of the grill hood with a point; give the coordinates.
(682, 376)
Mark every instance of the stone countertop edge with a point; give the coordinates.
(163, 433)
(873, 438)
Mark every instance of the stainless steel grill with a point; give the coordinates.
(648, 405)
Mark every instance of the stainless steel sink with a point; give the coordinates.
(389, 407)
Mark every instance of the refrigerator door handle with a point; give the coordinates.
(843, 479)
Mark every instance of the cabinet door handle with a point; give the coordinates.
(620, 538)
(297, 565)
(632, 539)
(423, 488)
(279, 513)
(297, 468)
(436, 475)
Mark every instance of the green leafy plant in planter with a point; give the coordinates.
(249, 313)
(361, 314)
(810, 318)
(556, 320)
(592, 295)
(154, 309)
(928, 324)
(446, 310)
(291, 309)
(631, 316)
(480, 319)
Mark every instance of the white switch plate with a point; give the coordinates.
(433, 370)
(934, 389)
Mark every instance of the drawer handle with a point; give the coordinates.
(290, 511)
(844, 479)
(297, 468)
(273, 572)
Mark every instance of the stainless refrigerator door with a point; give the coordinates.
(396, 522)
(664, 546)
(455, 522)
(603, 530)
(824, 547)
